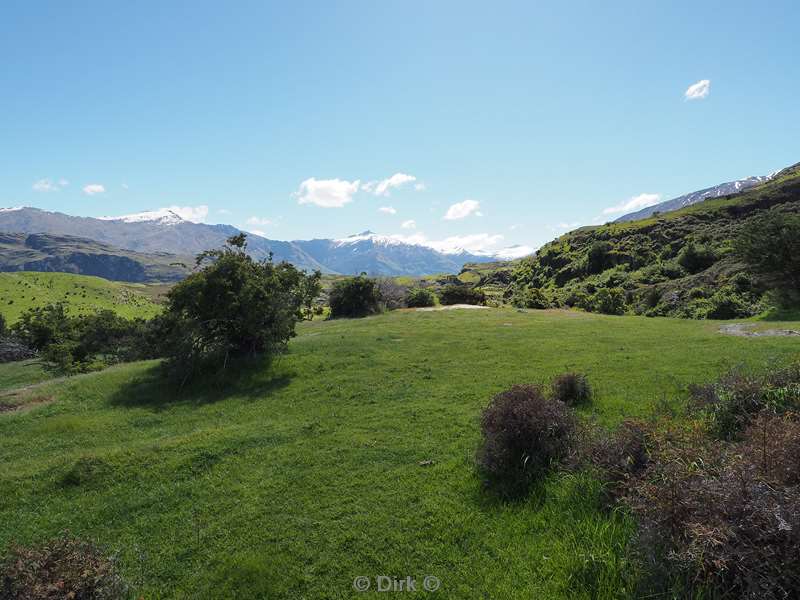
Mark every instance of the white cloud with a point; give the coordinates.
(573, 225)
(327, 193)
(224, 211)
(258, 232)
(45, 185)
(475, 243)
(420, 187)
(461, 210)
(635, 203)
(124, 186)
(258, 221)
(383, 187)
(389, 210)
(410, 224)
(699, 90)
(93, 188)
(195, 214)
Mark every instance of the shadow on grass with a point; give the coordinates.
(249, 378)
(781, 314)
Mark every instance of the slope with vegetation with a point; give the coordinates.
(692, 262)
(352, 455)
(82, 294)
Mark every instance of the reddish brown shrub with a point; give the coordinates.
(65, 567)
(572, 389)
(524, 435)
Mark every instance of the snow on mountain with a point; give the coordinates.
(164, 216)
(11, 209)
(723, 189)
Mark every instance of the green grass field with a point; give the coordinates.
(290, 481)
(83, 294)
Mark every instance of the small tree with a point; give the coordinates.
(695, 258)
(462, 294)
(770, 246)
(420, 297)
(354, 297)
(234, 306)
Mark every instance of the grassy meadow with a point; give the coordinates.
(82, 293)
(351, 456)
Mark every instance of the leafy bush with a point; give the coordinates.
(530, 297)
(233, 307)
(572, 389)
(597, 259)
(730, 403)
(65, 567)
(419, 297)
(461, 294)
(524, 435)
(727, 304)
(770, 246)
(392, 295)
(609, 301)
(695, 258)
(354, 297)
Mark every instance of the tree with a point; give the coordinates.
(233, 306)
(597, 259)
(770, 246)
(354, 297)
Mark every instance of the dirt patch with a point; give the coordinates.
(23, 404)
(451, 307)
(746, 330)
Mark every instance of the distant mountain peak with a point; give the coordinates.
(11, 209)
(163, 216)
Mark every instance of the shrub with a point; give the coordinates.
(727, 304)
(609, 301)
(770, 246)
(726, 527)
(65, 567)
(524, 435)
(232, 307)
(3, 326)
(730, 403)
(461, 294)
(530, 297)
(354, 297)
(695, 258)
(392, 295)
(418, 297)
(597, 259)
(572, 389)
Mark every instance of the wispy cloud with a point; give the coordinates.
(389, 210)
(419, 187)
(224, 211)
(195, 214)
(461, 210)
(410, 224)
(327, 193)
(699, 90)
(635, 203)
(46, 185)
(93, 188)
(384, 186)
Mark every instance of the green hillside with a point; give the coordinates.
(352, 457)
(680, 263)
(83, 294)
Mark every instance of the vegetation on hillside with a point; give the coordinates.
(710, 260)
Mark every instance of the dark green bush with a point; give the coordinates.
(419, 297)
(597, 259)
(354, 297)
(695, 258)
(609, 301)
(524, 434)
(461, 294)
(233, 307)
(65, 567)
(726, 303)
(530, 297)
(572, 389)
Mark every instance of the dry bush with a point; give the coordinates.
(65, 567)
(524, 435)
(572, 389)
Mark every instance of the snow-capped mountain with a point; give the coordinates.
(723, 189)
(165, 232)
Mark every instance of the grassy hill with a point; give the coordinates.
(679, 263)
(351, 456)
(82, 293)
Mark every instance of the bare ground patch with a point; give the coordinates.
(748, 330)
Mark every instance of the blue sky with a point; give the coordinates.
(516, 120)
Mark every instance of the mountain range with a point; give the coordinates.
(46, 240)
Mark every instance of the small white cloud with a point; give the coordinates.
(93, 188)
(258, 221)
(420, 187)
(635, 203)
(572, 225)
(383, 187)
(45, 185)
(223, 211)
(410, 224)
(699, 90)
(476, 243)
(124, 186)
(461, 210)
(327, 193)
(195, 214)
(389, 210)
(63, 182)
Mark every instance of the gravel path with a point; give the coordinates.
(743, 330)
